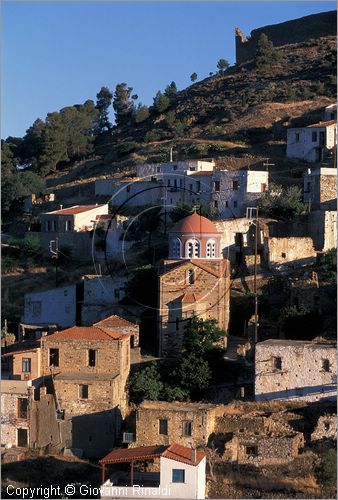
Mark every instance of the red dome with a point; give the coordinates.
(194, 224)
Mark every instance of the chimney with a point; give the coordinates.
(171, 155)
(61, 207)
(193, 455)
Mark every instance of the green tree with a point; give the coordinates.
(326, 471)
(18, 186)
(8, 163)
(141, 113)
(170, 119)
(146, 384)
(193, 373)
(122, 104)
(222, 65)
(33, 143)
(266, 54)
(202, 335)
(282, 203)
(103, 102)
(29, 246)
(174, 393)
(161, 102)
(193, 77)
(171, 91)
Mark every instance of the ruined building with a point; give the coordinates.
(193, 281)
(295, 31)
(295, 369)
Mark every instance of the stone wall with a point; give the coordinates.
(325, 432)
(295, 31)
(201, 416)
(290, 251)
(44, 424)
(305, 370)
(323, 229)
(11, 419)
(211, 300)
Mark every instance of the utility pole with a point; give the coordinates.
(55, 255)
(171, 155)
(267, 164)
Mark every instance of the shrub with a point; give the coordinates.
(126, 148)
(326, 471)
(146, 384)
(8, 265)
(29, 246)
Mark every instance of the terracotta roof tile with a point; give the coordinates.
(207, 172)
(195, 224)
(115, 321)
(176, 452)
(76, 209)
(85, 333)
(183, 454)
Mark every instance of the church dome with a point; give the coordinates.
(194, 224)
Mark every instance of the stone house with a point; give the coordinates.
(295, 369)
(179, 473)
(88, 368)
(21, 361)
(193, 282)
(234, 191)
(320, 189)
(121, 325)
(157, 170)
(15, 414)
(109, 236)
(312, 143)
(187, 423)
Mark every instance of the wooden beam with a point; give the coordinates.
(103, 473)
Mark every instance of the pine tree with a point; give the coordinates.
(141, 113)
(161, 102)
(171, 90)
(122, 104)
(193, 77)
(222, 65)
(266, 54)
(103, 102)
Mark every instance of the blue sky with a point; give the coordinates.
(58, 54)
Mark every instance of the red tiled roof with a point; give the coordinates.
(86, 333)
(218, 274)
(183, 454)
(173, 452)
(192, 297)
(323, 124)
(131, 454)
(77, 209)
(195, 224)
(115, 321)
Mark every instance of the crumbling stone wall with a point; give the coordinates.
(201, 416)
(11, 420)
(295, 31)
(325, 432)
(44, 424)
(291, 251)
(323, 229)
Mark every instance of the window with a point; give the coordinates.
(327, 426)
(175, 183)
(211, 249)
(235, 185)
(36, 309)
(263, 187)
(226, 204)
(308, 187)
(178, 475)
(235, 204)
(217, 186)
(169, 183)
(187, 428)
(191, 277)
(128, 188)
(92, 357)
(198, 186)
(158, 169)
(53, 225)
(192, 249)
(163, 427)
(215, 203)
(314, 136)
(83, 391)
(283, 255)
(276, 363)
(177, 323)
(181, 182)
(26, 365)
(325, 365)
(68, 225)
(297, 136)
(22, 407)
(48, 225)
(175, 167)
(251, 451)
(53, 357)
(176, 248)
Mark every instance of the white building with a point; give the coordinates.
(312, 143)
(181, 475)
(73, 219)
(56, 306)
(100, 294)
(109, 236)
(234, 191)
(296, 369)
(158, 169)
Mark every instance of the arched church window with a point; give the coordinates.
(176, 248)
(193, 249)
(211, 249)
(191, 276)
